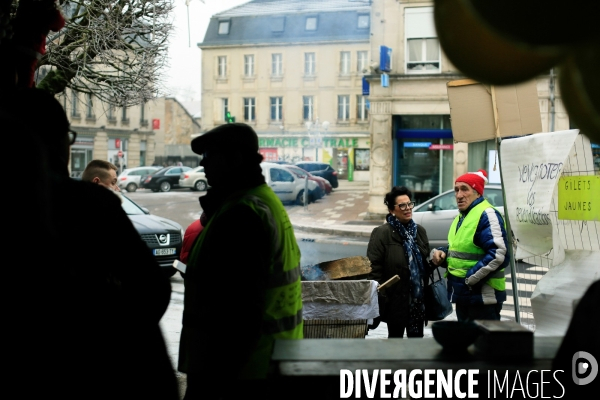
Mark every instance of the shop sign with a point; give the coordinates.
(269, 154)
(308, 142)
(425, 145)
(441, 147)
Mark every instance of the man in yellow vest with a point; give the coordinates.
(477, 252)
(242, 282)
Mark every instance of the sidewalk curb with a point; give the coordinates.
(331, 231)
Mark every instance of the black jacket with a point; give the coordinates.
(387, 256)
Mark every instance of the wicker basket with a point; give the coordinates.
(335, 329)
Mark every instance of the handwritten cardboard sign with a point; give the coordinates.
(531, 168)
(579, 198)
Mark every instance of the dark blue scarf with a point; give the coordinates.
(408, 234)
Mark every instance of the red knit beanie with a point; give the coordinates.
(476, 180)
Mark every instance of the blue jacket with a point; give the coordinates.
(491, 237)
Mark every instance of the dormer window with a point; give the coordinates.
(363, 21)
(311, 23)
(224, 27)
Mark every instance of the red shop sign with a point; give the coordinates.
(441, 147)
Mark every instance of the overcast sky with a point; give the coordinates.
(182, 79)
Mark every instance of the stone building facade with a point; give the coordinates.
(293, 70)
(411, 133)
(131, 136)
(291, 50)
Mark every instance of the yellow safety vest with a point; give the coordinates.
(282, 316)
(463, 254)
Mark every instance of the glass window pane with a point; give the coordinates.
(223, 27)
(432, 46)
(363, 21)
(286, 176)
(446, 202)
(415, 52)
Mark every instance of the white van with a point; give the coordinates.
(287, 186)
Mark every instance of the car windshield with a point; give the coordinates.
(130, 207)
(297, 171)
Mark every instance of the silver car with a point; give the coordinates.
(287, 186)
(436, 214)
(129, 179)
(194, 179)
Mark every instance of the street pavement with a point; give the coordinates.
(341, 213)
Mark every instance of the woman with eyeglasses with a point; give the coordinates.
(400, 247)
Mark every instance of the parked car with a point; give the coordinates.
(130, 178)
(436, 214)
(287, 186)
(317, 193)
(194, 179)
(163, 236)
(321, 169)
(328, 187)
(164, 179)
(280, 162)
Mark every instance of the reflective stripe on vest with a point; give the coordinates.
(282, 316)
(463, 254)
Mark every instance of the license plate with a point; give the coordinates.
(164, 252)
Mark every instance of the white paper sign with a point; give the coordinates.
(531, 167)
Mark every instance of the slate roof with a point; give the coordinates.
(254, 22)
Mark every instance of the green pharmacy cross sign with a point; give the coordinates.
(229, 118)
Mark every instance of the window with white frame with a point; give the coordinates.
(276, 64)
(308, 104)
(276, 108)
(89, 106)
(222, 66)
(311, 24)
(249, 108)
(362, 60)
(124, 117)
(343, 108)
(309, 64)
(249, 65)
(224, 108)
(224, 27)
(422, 46)
(344, 62)
(362, 113)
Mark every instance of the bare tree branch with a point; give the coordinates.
(114, 50)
